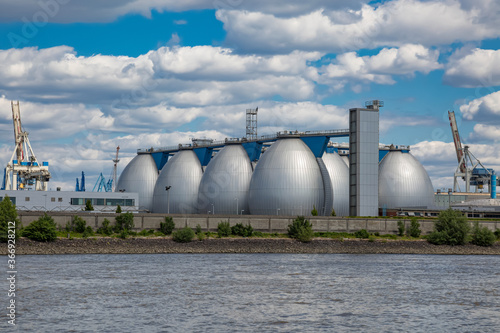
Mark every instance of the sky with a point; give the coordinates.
(93, 75)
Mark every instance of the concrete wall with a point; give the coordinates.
(262, 223)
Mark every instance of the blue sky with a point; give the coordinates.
(91, 75)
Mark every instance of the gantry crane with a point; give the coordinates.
(23, 169)
(468, 164)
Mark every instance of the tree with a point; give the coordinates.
(88, 205)
(118, 209)
(482, 236)
(414, 229)
(451, 228)
(314, 211)
(300, 229)
(8, 214)
(168, 226)
(42, 230)
(333, 213)
(124, 221)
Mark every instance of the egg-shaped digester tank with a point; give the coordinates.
(345, 158)
(403, 182)
(339, 176)
(225, 182)
(139, 176)
(182, 173)
(286, 181)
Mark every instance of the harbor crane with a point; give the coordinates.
(468, 164)
(23, 169)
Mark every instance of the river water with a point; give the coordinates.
(256, 293)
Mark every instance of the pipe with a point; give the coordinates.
(493, 186)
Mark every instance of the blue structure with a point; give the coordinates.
(493, 186)
(80, 187)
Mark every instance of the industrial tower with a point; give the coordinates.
(252, 123)
(23, 168)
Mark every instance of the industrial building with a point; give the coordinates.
(290, 173)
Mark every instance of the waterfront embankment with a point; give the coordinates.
(150, 245)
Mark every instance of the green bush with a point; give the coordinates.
(300, 229)
(123, 234)
(88, 205)
(451, 228)
(184, 235)
(362, 234)
(124, 221)
(168, 226)
(241, 230)
(314, 211)
(105, 230)
(414, 229)
(482, 236)
(198, 229)
(118, 209)
(42, 230)
(223, 229)
(401, 228)
(201, 236)
(79, 224)
(88, 232)
(333, 213)
(497, 233)
(8, 214)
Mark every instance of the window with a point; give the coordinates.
(77, 201)
(53, 199)
(27, 199)
(59, 199)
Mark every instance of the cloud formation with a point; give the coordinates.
(392, 23)
(476, 68)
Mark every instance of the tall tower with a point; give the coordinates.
(252, 123)
(363, 159)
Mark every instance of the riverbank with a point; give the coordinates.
(148, 245)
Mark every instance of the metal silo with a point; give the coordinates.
(140, 176)
(403, 182)
(339, 176)
(345, 158)
(225, 182)
(182, 175)
(286, 181)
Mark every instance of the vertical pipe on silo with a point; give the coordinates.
(493, 185)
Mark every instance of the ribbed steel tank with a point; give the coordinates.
(140, 176)
(403, 182)
(345, 158)
(339, 176)
(183, 173)
(225, 182)
(286, 181)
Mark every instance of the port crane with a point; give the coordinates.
(23, 169)
(468, 165)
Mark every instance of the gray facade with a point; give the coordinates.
(363, 160)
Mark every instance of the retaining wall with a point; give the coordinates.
(262, 223)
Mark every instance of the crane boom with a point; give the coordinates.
(18, 137)
(456, 139)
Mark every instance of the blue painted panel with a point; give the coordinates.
(332, 150)
(253, 150)
(204, 155)
(317, 144)
(160, 159)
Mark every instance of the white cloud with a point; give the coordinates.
(378, 68)
(392, 23)
(65, 11)
(486, 108)
(475, 69)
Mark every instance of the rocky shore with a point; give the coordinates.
(140, 245)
